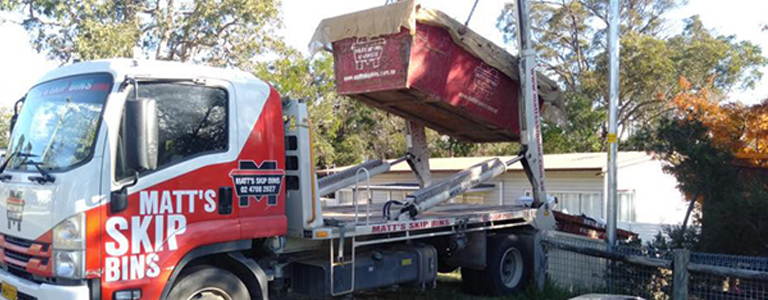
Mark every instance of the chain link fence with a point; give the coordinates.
(583, 265)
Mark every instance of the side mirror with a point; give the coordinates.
(15, 115)
(141, 133)
(13, 124)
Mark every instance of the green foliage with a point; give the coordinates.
(571, 45)
(5, 125)
(676, 237)
(581, 134)
(222, 33)
(345, 131)
(732, 199)
(702, 57)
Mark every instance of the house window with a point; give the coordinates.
(577, 203)
(626, 209)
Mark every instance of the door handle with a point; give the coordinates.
(225, 200)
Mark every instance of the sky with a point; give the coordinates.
(21, 66)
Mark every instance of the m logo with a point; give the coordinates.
(15, 206)
(254, 181)
(368, 52)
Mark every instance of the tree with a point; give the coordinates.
(581, 133)
(5, 126)
(698, 139)
(571, 39)
(345, 130)
(733, 127)
(221, 33)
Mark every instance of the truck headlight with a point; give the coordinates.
(70, 234)
(68, 264)
(68, 246)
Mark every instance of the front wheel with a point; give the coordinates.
(209, 283)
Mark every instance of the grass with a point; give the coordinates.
(448, 288)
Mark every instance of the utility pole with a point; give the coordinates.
(613, 95)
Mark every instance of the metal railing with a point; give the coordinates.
(583, 265)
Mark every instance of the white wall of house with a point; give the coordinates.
(657, 201)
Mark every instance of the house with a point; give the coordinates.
(648, 197)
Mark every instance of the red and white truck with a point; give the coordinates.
(131, 180)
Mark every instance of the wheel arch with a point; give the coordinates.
(227, 256)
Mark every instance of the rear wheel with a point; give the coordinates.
(509, 265)
(209, 283)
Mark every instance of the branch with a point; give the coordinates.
(635, 108)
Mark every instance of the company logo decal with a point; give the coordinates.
(368, 52)
(485, 82)
(15, 207)
(256, 181)
(136, 242)
(483, 87)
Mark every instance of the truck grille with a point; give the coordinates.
(19, 242)
(23, 296)
(27, 259)
(17, 255)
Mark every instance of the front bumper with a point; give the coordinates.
(42, 291)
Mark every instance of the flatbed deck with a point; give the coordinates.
(446, 216)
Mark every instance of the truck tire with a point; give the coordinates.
(509, 266)
(207, 282)
(445, 268)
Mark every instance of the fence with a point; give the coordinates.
(583, 265)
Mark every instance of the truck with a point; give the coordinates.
(130, 179)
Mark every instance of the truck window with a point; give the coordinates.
(57, 127)
(192, 120)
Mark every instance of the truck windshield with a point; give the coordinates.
(56, 128)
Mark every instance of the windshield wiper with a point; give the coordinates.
(46, 177)
(25, 155)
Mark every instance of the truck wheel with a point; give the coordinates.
(509, 265)
(444, 268)
(209, 283)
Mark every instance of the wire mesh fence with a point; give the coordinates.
(705, 285)
(583, 265)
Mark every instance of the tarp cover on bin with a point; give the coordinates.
(422, 65)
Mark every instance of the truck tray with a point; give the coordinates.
(428, 69)
(443, 216)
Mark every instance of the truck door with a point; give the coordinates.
(182, 203)
(258, 180)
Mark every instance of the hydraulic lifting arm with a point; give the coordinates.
(530, 136)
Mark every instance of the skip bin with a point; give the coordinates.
(427, 68)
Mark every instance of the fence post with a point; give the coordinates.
(680, 260)
(539, 260)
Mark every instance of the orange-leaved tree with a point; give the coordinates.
(739, 128)
(717, 152)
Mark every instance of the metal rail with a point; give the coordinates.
(356, 192)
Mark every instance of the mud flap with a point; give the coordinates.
(257, 271)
